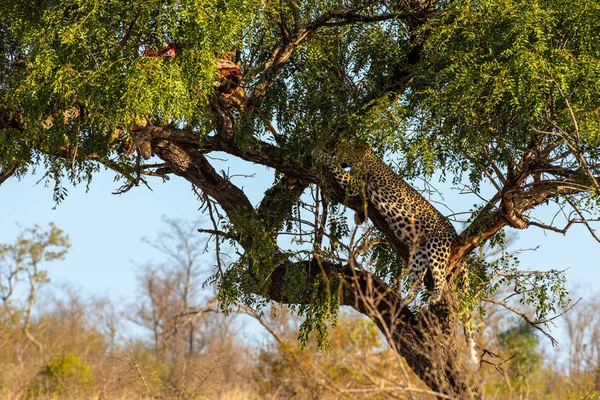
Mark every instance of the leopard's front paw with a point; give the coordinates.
(435, 298)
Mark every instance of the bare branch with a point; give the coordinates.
(525, 318)
(555, 229)
(133, 363)
(584, 220)
(331, 385)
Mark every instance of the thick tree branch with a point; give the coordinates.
(191, 164)
(488, 221)
(346, 17)
(7, 173)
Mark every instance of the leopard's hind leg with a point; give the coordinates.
(438, 260)
(417, 267)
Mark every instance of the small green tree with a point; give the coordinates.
(22, 269)
(522, 344)
(63, 374)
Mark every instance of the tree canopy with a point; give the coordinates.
(499, 95)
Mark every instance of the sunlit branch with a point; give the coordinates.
(555, 229)
(7, 173)
(583, 219)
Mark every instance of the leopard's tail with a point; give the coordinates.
(467, 319)
(469, 335)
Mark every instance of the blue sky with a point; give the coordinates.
(106, 230)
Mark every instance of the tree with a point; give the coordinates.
(169, 292)
(184, 248)
(191, 341)
(22, 272)
(583, 330)
(501, 93)
(526, 358)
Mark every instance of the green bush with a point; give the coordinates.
(63, 374)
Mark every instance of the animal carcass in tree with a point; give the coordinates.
(229, 81)
(168, 51)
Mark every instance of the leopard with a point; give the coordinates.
(418, 225)
(422, 228)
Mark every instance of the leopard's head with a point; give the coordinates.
(348, 154)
